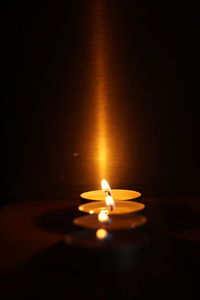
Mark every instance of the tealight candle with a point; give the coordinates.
(121, 207)
(117, 194)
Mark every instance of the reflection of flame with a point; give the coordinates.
(101, 234)
(103, 217)
(110, 201)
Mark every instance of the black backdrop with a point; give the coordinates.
(156, 49)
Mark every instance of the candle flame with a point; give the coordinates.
(103, 217)
(105, 186)
(101, 234)
(110, 201)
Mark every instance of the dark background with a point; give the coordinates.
(151, 60)
(141, 60)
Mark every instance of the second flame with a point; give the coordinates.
(110, 201)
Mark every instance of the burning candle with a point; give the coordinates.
(117, 194)
(115, 207)
(105, 187)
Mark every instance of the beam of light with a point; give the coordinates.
(101, 91)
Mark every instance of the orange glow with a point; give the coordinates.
(101, 90)
(102, 145)
(91, 212)
(103, 217)
(106, 145)
(101, 234)
(110, 201)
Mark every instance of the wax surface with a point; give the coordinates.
(117, 222)
(121, 207)
(116, 194)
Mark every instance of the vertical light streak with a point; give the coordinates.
(101, 95)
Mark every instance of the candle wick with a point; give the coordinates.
(108, 193)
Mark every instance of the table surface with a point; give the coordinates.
(33, 255)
